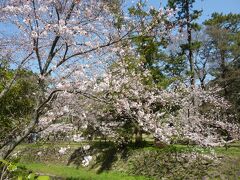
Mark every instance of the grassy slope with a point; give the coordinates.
(230, 165)
(73, 173)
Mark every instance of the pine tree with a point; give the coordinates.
(224, 33)
(186, 17)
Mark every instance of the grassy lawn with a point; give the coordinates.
(68, 172)
(50, 163)
(47, 144)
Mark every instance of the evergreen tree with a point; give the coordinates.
(151, 48)
(224, 33)
(186, 18)
(18, 103)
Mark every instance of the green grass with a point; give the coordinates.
(232, 151)
(47, 144)
(230, 159)
(68, 172)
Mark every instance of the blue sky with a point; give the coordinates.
(209, 6)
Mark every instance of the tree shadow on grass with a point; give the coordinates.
(112, 152)
(77, 157)
(106, 159)
(106, 154)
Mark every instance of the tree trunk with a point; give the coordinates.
(223, 71)
(159, 144)
(202, 84)
(8, 147)
(190, 51)
(6, 150)
(138, 137)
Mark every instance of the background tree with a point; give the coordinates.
(203, 58)
(152, 46)
(224, 33)
(186, 17)
(17, 104)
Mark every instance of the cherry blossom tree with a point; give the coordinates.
(162, 113)
(67, 44)
(55, 39)
(77, 51)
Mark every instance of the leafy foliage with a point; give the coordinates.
(16, 106)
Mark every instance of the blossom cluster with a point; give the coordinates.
(168, 114)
